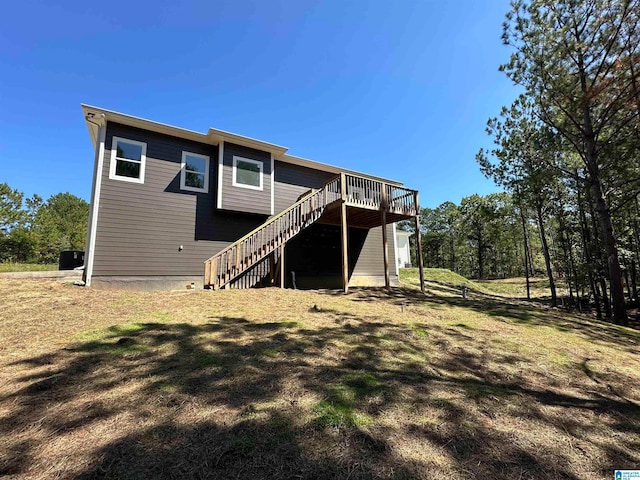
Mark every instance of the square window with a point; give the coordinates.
(247, 173)
(194, 173)
(128, 159)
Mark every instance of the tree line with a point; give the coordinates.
(501, 236)
(479, 238)
(36, 231)
(566, 151)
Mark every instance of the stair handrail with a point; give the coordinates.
(273, 219)
(392, 198)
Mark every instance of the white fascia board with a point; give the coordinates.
(213, 136)
(144, 124)
(221, 135)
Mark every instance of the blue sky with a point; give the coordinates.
(397, 89)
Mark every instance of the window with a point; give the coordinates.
(194, 173)
(127, 160)
(247, 173)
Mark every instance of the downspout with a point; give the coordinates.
(98, 164)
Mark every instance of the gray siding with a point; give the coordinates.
(371, 261)
(141, 226)
(291, 181)
(240, 199)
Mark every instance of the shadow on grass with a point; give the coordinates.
(235, 399)
(258, 449)
(529, 313)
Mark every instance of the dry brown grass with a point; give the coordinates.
(291, 384)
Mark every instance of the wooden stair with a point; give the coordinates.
(358, 193)
(249, 251)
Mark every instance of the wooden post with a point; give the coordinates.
(214, 273)
(345, 243)
(226, 271)
(272, 268)
(207, 273)
(385, 252)
(344, 232)
(282, 271)
(419, 243)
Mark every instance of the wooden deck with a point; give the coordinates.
(345, 200)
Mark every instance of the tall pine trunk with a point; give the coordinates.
(611, 251)
(481, 248)
(605, 297)
(572, 274)
(626, 278)
(587, 255)
(602, 261)
(604, 214)
(526, 252)
(547, 256)
(633, 282)
(452, 252)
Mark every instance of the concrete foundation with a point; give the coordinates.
(372, 281)
(151, 283)
(148, 283)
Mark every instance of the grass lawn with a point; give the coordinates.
(292, 384)
(27, 267)
(508, 287)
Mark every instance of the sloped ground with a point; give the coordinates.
(290, 384)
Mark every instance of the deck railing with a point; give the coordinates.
(374, 195)
(401, 200)
(250, 250)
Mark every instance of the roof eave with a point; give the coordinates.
(132, 121)
(220, 135)
(213, 136)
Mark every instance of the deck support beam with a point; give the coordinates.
(385, 251)
(272, 268)
(344, 234)
(419, 243)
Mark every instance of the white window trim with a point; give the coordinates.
(114, 160)
(248, 160)
(183, 173)
(272, 188)
(220, 171)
